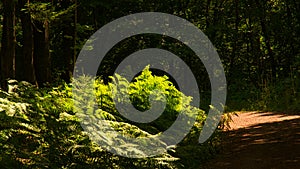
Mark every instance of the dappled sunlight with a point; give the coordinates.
(261, 140)
(254, 118)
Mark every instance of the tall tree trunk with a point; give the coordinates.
(8, 43)
(75, 33)
(267, 38)
(234, 54)
(68, 54)
(207, 13)
(42, 61)
(28, 71)
(269, 49)
(69, 43)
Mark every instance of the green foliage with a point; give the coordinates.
(257, 43)
(163, 90)
(282, 96)
(39, 128)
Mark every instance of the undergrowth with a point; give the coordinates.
(283, 96)
(39, 127)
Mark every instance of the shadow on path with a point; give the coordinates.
(272, 141)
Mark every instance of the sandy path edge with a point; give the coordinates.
(260, 140)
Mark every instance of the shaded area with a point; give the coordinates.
(272, 144)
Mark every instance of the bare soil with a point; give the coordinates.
(260, 140)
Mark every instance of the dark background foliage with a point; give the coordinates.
(258, 43)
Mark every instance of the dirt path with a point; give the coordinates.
(260, 141)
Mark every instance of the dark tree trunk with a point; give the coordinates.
(28, 71)
(72, 65)
(269, 49)
(233, 58)
(42, 61)
(207, 14)
(68, 54)
(8, 43)
(267, 38)
(69, 43)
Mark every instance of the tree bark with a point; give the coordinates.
(69, 43)
(42, 61)
(28, 71)
(267, 38)
(75, 34)
(8, 43)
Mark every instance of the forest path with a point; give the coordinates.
(260, 140)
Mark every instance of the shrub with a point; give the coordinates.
(39, 128)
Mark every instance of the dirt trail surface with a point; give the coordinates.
(260, 140)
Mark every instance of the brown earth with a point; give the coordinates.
(260, 140)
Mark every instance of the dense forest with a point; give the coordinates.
(258, 43)
(256, 40)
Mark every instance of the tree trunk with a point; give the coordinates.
(28, 71)
(207, 14)
(8, 43)
(68, 54)
(42, 62)
(232, 68)
(69, 43)
(267, 42)
(75, 34)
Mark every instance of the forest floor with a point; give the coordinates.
(260, 140)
